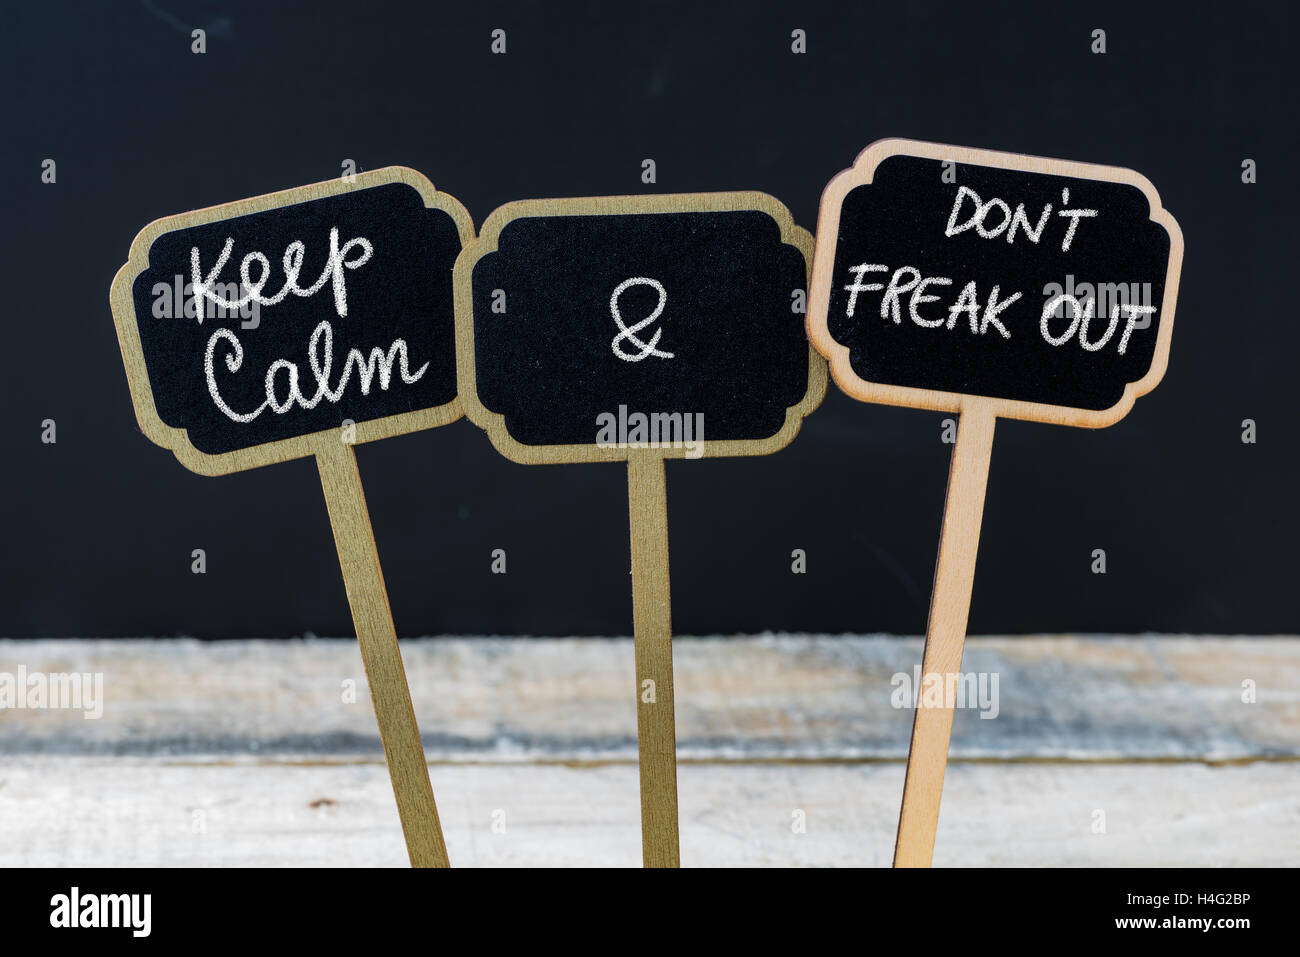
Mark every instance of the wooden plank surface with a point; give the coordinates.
(760, 698)
(265, 753)
(93, 811)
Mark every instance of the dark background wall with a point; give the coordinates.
(1199, 528)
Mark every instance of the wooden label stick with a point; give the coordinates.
(945, 634)
(639, 328)
(298, 324)
(368, 598)
(988, 285)
(652, 621)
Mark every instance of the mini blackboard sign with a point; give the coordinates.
(254, 332)
(1042, 288)
(296, 324)
(639, 328)
(597, 329)
(987, 284)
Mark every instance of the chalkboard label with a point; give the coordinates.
(589, 329)
(254, 331)
(1043, 288)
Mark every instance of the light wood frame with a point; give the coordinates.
(828, 228)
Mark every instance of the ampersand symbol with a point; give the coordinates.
(630, 332)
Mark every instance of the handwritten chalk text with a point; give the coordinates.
(291, 262)
(320, 358)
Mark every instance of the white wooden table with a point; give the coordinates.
(266, 753)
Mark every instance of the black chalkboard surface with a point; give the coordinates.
(263, 322)
(946, 273)
(583, 321)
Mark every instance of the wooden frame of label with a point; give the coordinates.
(828, 228)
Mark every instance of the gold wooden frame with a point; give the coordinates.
(494, 422)
(282, 450)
